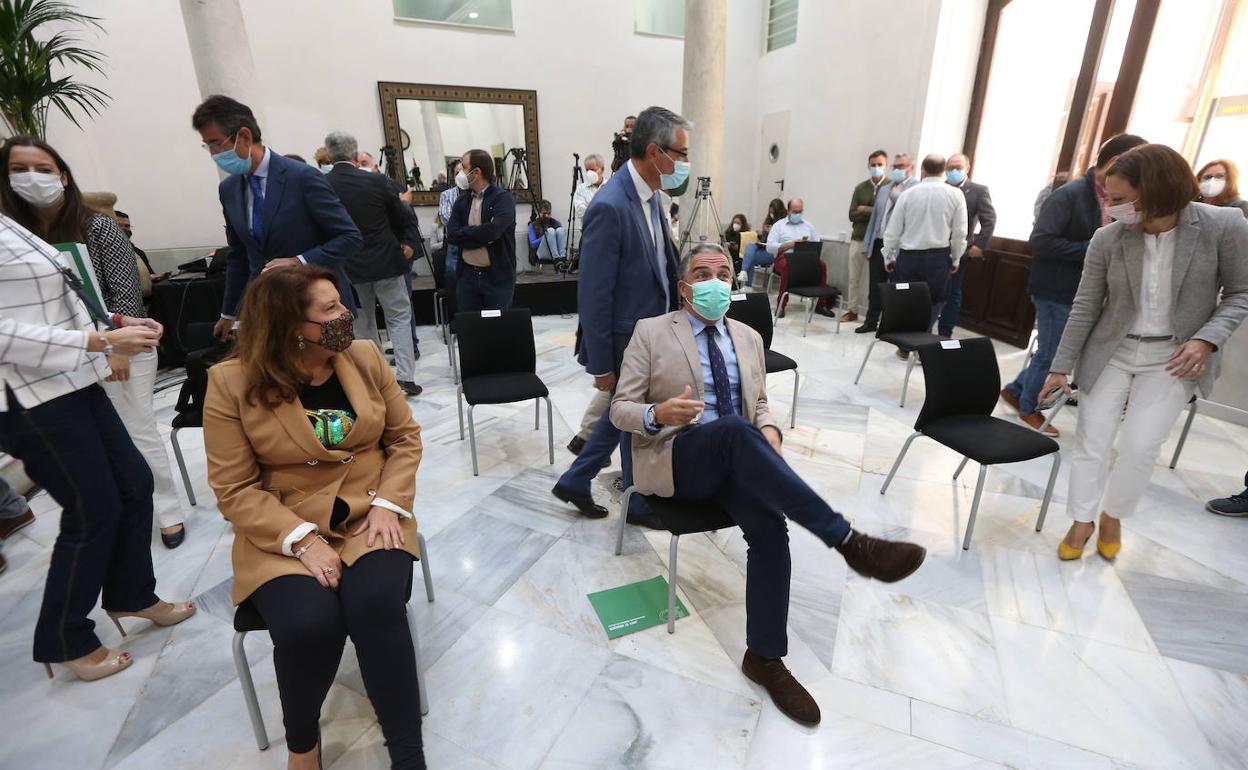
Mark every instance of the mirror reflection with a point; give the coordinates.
(435, 134)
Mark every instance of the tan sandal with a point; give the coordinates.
(88, 671)
(160, 613)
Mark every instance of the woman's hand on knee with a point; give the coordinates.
(323, 563)
(384, 524)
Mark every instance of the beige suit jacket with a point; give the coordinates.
(661, 359)
(271, 474)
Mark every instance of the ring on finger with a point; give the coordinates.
(328, 570)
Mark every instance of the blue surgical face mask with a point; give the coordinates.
(795, 217)
(897, 174)
(955, 176)
(711, 298)
(679, 175)
(875, 171)
(229, 162)
(326, 168)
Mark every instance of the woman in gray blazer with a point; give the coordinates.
(1162, 290)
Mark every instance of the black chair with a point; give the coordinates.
(206, 350)
(498, 365)
(247, 619)
(678, 518)
(963, 385)
(905, 322)
(754, 310)
(804, 282)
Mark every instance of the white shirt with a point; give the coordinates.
(1155, 317)
(645, 193)
(930, 215)
(44, 327)
(583, 197)
(784, 231)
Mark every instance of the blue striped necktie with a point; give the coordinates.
(719, 374)
(257, 207)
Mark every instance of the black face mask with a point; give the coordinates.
(337, 334)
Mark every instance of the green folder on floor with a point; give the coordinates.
(634, 607)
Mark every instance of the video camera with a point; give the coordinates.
(621, 148)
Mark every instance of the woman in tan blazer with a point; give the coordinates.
(312, 452)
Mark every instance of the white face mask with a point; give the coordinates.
(1212, 188)
(736, 227)
(39, 190)
(591, 178)
(461, 180)
(1124, 213)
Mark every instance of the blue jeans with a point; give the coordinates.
(756, 255)
(553, 245)
(477, 289)
(953, 305)
(12, 504)
(1050, 323)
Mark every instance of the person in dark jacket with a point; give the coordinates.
(1058, 244)
(483, 225)
(377, 270)
(980, 215)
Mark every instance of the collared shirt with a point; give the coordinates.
(583, 197)
(710, 412)
(478, 257)
(1155, 317)
(930, 215)
(783, 231)
(44, 327)
(446, 201)
(645, 193)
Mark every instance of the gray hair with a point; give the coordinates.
(701, 248)
(341, 146)
(595, 156)
(657, 125)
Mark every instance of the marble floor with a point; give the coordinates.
(999, 656)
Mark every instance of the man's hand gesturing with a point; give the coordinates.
(678, 411)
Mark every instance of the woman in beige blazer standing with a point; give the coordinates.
(312, 452)
(1162, 290)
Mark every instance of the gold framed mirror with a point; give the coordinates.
(431, 126)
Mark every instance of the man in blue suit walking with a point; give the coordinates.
(278, 212)
(628, 272)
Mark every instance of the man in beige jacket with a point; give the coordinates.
(693, 390)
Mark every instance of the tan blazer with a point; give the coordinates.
(661, 359)
(271, 474)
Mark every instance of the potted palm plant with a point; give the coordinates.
(38, 45)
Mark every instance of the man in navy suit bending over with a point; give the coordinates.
(278, 212)
(628, 272)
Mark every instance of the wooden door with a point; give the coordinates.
(995, 302)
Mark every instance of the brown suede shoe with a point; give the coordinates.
(1009, 398)
(849, 317)
(785, 691)
(1035, 420)
(9, 526)
(881, 559)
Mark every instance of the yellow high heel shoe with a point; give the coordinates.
(1107, 550)
(160, 613)
(88, 671)
(1066, 553)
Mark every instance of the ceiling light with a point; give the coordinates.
(473, 15)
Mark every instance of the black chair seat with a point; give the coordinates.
(247, 618)
(188, 420)
(908, 341)
(816, 291)
(685, 518)
(778, 362)
(989, 440)
(504, 388)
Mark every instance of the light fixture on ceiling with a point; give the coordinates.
(473, 15)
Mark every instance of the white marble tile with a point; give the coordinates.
(1219, 702)
(1192, 622)
(369, 753)
(482, 556)
(949, 575)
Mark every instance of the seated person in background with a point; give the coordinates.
(732, 236)
(756, 254)
(123, 221)
(547, 236)
(784, 236)
(312, 452)
(708, 435)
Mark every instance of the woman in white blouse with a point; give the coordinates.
(56, 419)
(1162, 290)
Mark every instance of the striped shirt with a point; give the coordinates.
(44, 327)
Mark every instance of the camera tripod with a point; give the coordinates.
(518, 179)
(577, 180)
(704, 223)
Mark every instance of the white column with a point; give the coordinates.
(703, 103)
(221, 52)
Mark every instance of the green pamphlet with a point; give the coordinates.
(634, 607)
(80, 262)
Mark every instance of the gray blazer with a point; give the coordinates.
(1211, 257)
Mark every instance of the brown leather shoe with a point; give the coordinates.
(884, 560)
(785, 691)
(1035, 420)
(848, 317)
(1010, 399)
(9, 526)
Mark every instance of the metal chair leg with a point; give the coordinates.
(420, 666)
(961, 465)
(864, 359)
(905, 384)
(550, 429)
(1178, 449)
(897, 463)
(1048, 491)
(459, 403)
(779, 306)
(472, 441)
(1053, 410)
(671, 583)
(249, 690)
(186, 478)
(797, 378)
(537, 414)
(809, 314)
(454, 361)
(424, 565)
(619, 537)
(970, 522)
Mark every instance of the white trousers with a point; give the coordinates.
(600, 403)
(133, 401)
(856, 296)
(1135, 377)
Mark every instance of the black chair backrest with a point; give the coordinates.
(907, 307)
(195, 388)
(495, 342)
(804, 265)
(753, 310)
(961, 378)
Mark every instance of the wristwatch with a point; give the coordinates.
(108, 346)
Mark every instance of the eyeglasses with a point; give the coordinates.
(684, 154)
(215, 147)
